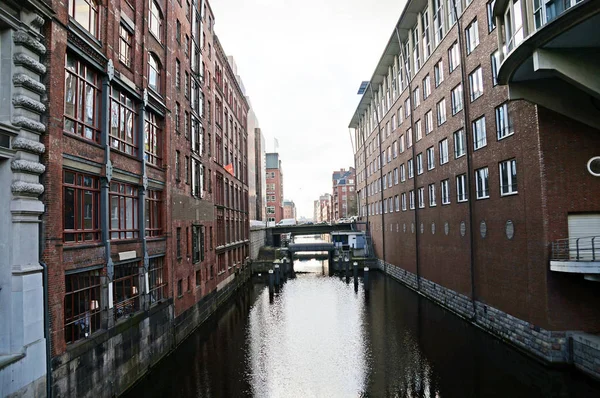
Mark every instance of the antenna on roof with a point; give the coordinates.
(363, 87)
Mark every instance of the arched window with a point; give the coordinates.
(155, 20)
(153, 73)
(85, 12)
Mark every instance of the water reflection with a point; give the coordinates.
(310, 341)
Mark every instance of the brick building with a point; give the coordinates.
(274, 188)
(289, 209)
(464, 189)
(145, 186)
(322, 209)
(343, 203)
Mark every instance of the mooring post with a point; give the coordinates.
(366, 279)
(347, 266)
(277, 275)
(271, 282)
(355, 269)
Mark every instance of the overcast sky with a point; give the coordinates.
(301, 63)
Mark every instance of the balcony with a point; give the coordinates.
(577, 256)
(550, 54)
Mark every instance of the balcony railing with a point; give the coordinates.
(576, 249)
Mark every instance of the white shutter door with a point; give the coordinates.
(582, 229)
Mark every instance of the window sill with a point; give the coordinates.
(75, 246)
(506, 136)
(509, 193)
(483, 197)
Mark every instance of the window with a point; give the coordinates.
(177, 74)
(152, 140)
(490, 15)
(443, 147)
(157, 282)
(407, 108)
(472, 36)
(425, 28)
(454, 11)
(410, 168)
(124, 211)
(401, 143)
(197, 243)
(508, 177)
(428, 122)
(385, 206)
(153, 213)
(430, 158)
(461, 188)
(197, 179)
(409, 138)
(186, 85)
(416, 49)
(81, 207)
(476, 84)
(126, 293)
(438, 21)
(122, 123)
(479, 136)
(418, 132)
(459, 143)
(453, 57)
(395, 149)
(403, 196)
(419, 163)
(397, 203)
(82, 100)
(178, 241)
(85, 12)
(178, 32)
(445, 192)
(177, 166)
(180, 288)
(186, 170)
(432, 195)
(125, 44)
(411, 199)
(426, 87)
(504, 126)
(481, 183)
(438, 70)
(416, 97)
(396, 175)
(155, 20)
(421, 193)
(400, 116)
(495, 60)
(83, 292)
(513, 24)
(402, 173)
(198, 278)
(441, 112)
(457, 99)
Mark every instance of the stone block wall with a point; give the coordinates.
(257, 240)
(586, 353)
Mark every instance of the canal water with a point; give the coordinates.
(319, 337)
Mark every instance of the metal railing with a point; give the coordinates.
(576, 249)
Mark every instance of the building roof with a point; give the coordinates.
(272, 160)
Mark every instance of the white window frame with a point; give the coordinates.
(411, 199)
(482, 183)
(445, 191)
(457, 99)
(441, 111)
(420, 163)
(462, 194)
(432, 195)
(476, 84)
(421, 196)
(443, 149)
(479, 133)
(508, 174)
(460, 147)
(430, 158)
(504, 127)
(472, 36)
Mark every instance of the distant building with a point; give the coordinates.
(344, 195)
(274, 188)
(289, 209)
(322, 209)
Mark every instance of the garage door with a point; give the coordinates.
(582, 229)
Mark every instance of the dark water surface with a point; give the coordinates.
(320, 338)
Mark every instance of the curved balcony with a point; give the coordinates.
(551, 54)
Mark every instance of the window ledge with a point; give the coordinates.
(76, 246)
(509, 194)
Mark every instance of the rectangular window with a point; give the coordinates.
(402, 173)
(430, 158)
(418, 132)
(177, 166)
(504, 126)
(438, 21)
(395, 149)
(426, 87)
(481, 183)
(428, 122)
(197, 243)
(157, 281)
(178, 241)
(453, 57)
(125, 44)
(416, 48)
(479, 135)
(123, 123)
(441, 112)
(152, 140)
(421, 193)
(407, 108)
(396, 175)
(472, 36)
(411, 199)
(461, 188)
(153, 213)
(508, 177)
(81, 209)
(419, 163)
(439, 72)
(457, 99)
(397, 203)
(513, 18)
(443, 148)
(403, 201)
(124, 211)
(410, 168)
(425, 28)
(495, 60)
(432, 195)
(445, 192)
(476, 84)
(409, 138)
(401, 143)
(416, 97)
(490, 15)
(180, 288)
(177, 116)
(82, 100)
(400, 116)
(83, 305)
(459, 143)
(126, 293)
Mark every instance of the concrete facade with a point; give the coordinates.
(465, 190)
(23, 124)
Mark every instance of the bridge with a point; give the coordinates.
(273, 234)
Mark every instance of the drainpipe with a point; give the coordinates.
(414, 159)
(380, 180)
(47, 330)
(469, 151)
